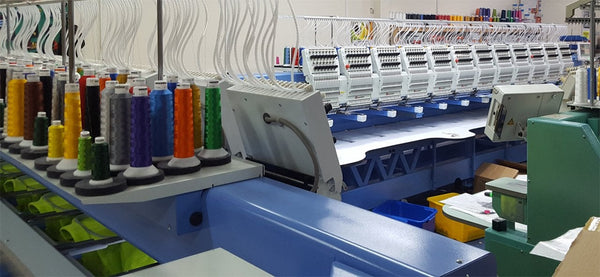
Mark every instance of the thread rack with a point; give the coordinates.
(236, 171)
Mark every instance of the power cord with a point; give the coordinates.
(307, 144)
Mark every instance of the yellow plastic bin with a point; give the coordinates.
(450, 228)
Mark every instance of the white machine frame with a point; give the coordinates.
(504, 65)
(511, 106)
(483, 59)
(321, 70)
(278, 145)
(445, 75)
(415, 64)
(520, 60)
(466, 72)
(387, 64)
(358, 89)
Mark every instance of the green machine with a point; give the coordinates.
(563, 187)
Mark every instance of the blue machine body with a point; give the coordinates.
(284, 231)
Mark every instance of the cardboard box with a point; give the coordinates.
(489, 172)
(583, 258)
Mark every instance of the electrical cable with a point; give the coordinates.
(305, 141)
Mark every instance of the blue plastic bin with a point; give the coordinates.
(416, 215)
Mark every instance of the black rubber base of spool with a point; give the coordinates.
(145, 180)
(169, 170)
(5, 144)
(43, 163)
(30, 154)
(84, 187)
(54, 173)
(68, 179)
(15, 149)
(215, 161)
(115, 173)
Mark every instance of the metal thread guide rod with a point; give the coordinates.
(159, 36)
(592, 86)
(71, 15)
(8, 39)
(63, 32)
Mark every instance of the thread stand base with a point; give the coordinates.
(6, 144)
(84, 188)
(145, 180)
(213, 161)
(43, 163)
(53, 172)
(116, 169)
(68, 179)
(15, 148)
(115, 173)
(171, 170)
(30, 154)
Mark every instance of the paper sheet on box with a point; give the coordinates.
(476, 205)
(557, 248)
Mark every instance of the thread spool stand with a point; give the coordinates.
(213, 153)
(39, 148)
(161, 101)
(2, 118)
(33, 103)
(55, 147)
(141, 170)
(118, 116)
(15, 95)
(84, 162)
(184, 160)
(101, 182)
(72, 130)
